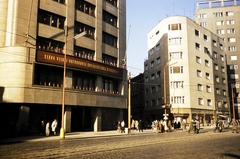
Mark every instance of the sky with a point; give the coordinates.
(144, 15)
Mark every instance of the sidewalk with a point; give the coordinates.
(82, 135)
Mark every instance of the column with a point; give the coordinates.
(97, 114)
(23, 119)
(67, 118)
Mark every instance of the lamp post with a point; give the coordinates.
(129, 102)
(62, 131)
(165, 88)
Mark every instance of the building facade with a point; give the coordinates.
(222, 18)
(35, 37)
(185, 73)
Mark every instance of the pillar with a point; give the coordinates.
(67, 118)
(23, 119)
(97, 120)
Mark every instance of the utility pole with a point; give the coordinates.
(129, 102)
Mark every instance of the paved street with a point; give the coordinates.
(174, 145)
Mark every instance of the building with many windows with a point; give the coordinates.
(222, 17)
(185, 73)
(35, 35)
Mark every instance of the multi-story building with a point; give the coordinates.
(222, 17)
(185, 73)
(137, 97)
(35, 35)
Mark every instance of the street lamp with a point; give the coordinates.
(62, 132)
(165, 88)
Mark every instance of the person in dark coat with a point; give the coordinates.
(42, 128)
(140, 125)
(217, 124)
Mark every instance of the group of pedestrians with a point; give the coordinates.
(121, 126)
(47, 128)
(194, 126)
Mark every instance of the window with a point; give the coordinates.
(215, 54)
(146, 79)
(109, 18)
(109, 85)
(216, 66)
(176, 69)
(217, 91)
(151, 51)
(85, 7)
(214, 43)
(80, 27)
(175, 55)
(224, 93)
(208, 88)
(220, 23)
(198, 59)
(205, 38)
(217, 78)
(158, 60)
(176, 26)
(231, 40)
(158, 88)
(232, 57)
(112, 2)
(152, 76)
(152, 64)
(220, 31)
(197, 33)
(60, 1)
(229, 13)
(153, 89)
(209, 102)
(84, 53)
(222, 57)
(203, 24)
(157, 47)
(197, 46)
(200, 87)
(206, 50)
(230, 31)
(230, 22)
(219, 14)
(177, 100)
(158, 74)
(223, 69)
(200, 101)
(146, 104)
(207, 76)
(109, 39)
(234, 76)
(233, 67)
(207, 63)
(159, 101)
(146, 67)
(203, 15)
(176, 84)
(51, 19)
(223, 80)
(49, 45)
(221, 46)
(146, 92)
(199, 73)
(232, 48)
(153, 103)
(175, 41)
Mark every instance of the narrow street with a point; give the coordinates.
(174, 145)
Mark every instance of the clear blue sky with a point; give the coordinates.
(142, 16)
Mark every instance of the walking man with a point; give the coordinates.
(234, 126)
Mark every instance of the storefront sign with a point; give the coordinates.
(75, 62)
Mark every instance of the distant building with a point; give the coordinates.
(34, 37)
(223, 18)
(185, 73)
(137, 97)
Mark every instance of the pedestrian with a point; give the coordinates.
(136, 125)
(220, 124)
(123, 126)
(191, 128)
(54, 126)
(48, 129)
(140, 125)
(160, 125)
(197, 123)
(234, 125)
(216, 126)
(42, 128)
(119, 126)
(165, 126)
(183, 125)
